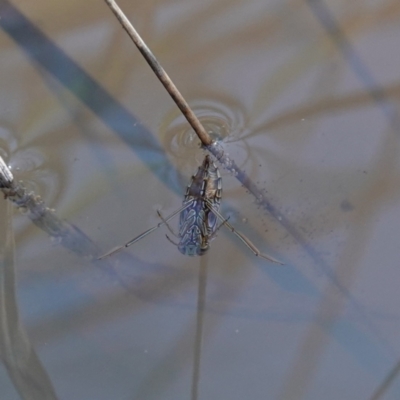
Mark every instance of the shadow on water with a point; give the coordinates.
(329, 23)
(382, 390)
(327, 316)
(49, 57)
(55, 62)
(183, 350)
(327, 105)
(16, 352)
(201, 305)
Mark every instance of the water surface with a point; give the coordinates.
(304, 96)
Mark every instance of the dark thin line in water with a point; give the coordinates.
(68, 235)
(328, 21)
(201, 302)
(43, 217)
(385, 385)
(19, 357)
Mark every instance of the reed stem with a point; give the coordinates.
(161, 74)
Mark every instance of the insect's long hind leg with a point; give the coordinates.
(144, 234)
(241, 236)
(166, 223)
(214, 234)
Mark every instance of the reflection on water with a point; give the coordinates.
(295, 108)
(24, 368)
(223, 118)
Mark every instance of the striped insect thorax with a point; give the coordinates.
(197, 223)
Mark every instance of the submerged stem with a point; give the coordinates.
(43, 217)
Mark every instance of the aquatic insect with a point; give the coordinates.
(197, 223)
(199, 215)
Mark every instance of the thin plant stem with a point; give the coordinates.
(213, 147)
(161, 74)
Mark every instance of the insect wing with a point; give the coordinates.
(193, 229)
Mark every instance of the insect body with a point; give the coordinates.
(199, 215)
(197, 222)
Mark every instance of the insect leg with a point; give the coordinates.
(212, 236)
(176, 244)
(241, 236)
(145, 233)
(166, 223)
